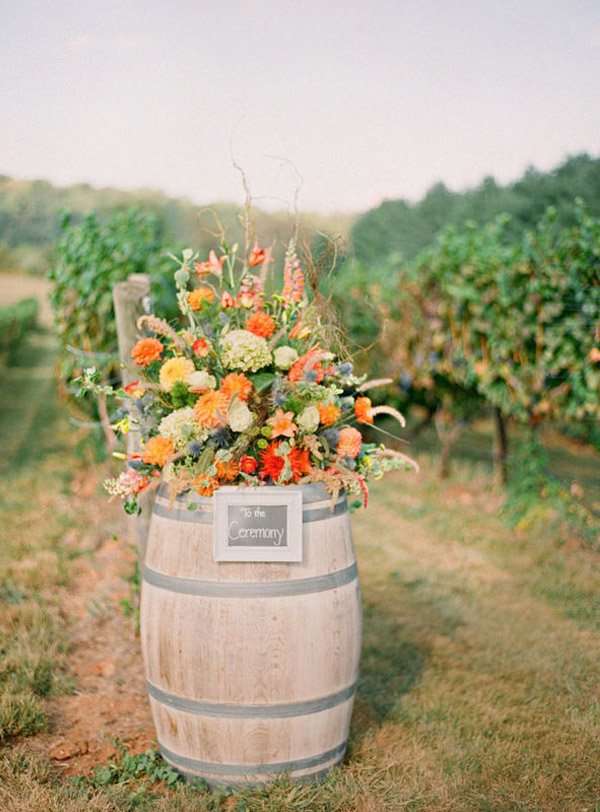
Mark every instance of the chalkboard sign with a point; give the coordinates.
(258, 524)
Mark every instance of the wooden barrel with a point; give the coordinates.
(251, 667)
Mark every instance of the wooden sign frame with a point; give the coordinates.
(272, 516)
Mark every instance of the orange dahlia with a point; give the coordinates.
(349, 442)
(196, 298)
(210, 409)
(227, 471)
(157, 451)
(329, 413)
(271, 464)
(362, 410)
(236, 383)
(308, 363)
(147, 350)
(300, 461)
(205, 484)
(261, 324)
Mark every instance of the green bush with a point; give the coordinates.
(15, 321)
(90, 259)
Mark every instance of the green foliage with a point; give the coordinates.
(128, 769)
(397, 231)
(516, 322)
(89, 260)
(535, 497)
(181, 395)
(15, 321)
(479, 321)
(139, 776)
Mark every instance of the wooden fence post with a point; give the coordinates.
(131, 300)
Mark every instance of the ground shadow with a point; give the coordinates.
(390, 665)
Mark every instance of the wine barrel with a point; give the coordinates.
(251, 668)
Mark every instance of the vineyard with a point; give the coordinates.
(479, 575)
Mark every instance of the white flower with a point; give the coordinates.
(242, 350)
(201, 380)
(239, 416)
(285, 357)
(308, 420)
(181, 427)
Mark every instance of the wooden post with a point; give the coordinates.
(500, 449)
(131, 299)
(449, 430)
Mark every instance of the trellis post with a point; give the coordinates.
(131, 300)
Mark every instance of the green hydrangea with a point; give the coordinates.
(245, 351)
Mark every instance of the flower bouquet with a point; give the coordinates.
(246, 390)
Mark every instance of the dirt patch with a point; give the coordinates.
(14, 287)
(109, 701)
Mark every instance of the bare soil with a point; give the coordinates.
(109, 703)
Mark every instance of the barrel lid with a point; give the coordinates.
(311, 492)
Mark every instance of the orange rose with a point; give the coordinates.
(147, 350)
(157, 451)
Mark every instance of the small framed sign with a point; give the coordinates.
(258, 524)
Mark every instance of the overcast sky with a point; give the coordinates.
(370, 100)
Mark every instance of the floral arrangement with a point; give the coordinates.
(246, 392)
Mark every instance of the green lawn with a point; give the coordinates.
(479, 675)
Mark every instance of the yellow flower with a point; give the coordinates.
(196, 298)
(173, 370)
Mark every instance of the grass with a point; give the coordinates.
(478, 688)
(34, 562)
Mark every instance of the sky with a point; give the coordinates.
(356, 101)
